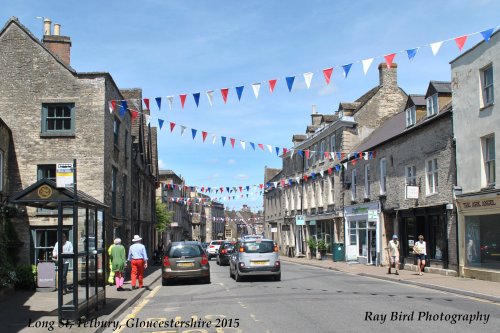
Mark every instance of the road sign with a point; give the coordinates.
(64, 174)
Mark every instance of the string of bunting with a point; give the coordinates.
(308, 76)
(307, 153)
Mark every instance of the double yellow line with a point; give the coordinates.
(137, 309)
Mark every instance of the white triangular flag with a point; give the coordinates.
(308, 78)
(365, 156)
(270, 148)
(110, 104)
(183, 128)
(210, 96)
(242, 144)
(297, 179)
(435, 47)
(366, 64)
(291, 153)
(136, 105)
(214, 137)
(170, 101)
(332, 155)
(275, 184)
(256, 88)
(345, 165)
(147, 119)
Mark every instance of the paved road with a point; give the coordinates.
(308, 299)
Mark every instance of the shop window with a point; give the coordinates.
(437, 235)
(432, 176)
(410, 233)
(482, 241)
(487, 86)
(58, 119)
(43, 241)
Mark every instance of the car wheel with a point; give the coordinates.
(218, 262)
(165, 282)
(237, 276)
(277, 277)
(230, 272)
(206, 280)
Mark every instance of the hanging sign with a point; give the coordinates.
(64, 174)
(300, 220)
(411, 192)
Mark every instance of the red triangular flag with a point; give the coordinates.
(328, 74)
(203, 189)
(204, 135)
(327, 154)
(460, 42)
(261, 186)
(146, 102)
(134, 114)
(307, 153)
(221, 190)
(172, 125)
(272, 83)
(330, 170)
(224, 93)
(183, 99)
(261, 146)
(285, 151)
(282, 182)
(241, 189)
(389, 59)
(232, 141)
(305, 177)
(113, 104)
(354, 162)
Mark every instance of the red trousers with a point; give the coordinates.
(137, 271)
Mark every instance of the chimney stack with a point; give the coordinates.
(315, 116)
(57, 44)
(388, 77)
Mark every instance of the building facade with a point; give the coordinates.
(475, 81)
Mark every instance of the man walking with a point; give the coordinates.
(139, 259)
(67, 247)
(394, 253)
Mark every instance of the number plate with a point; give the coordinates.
(186, 264)
(258, 263)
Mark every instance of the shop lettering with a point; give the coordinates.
(476, 204)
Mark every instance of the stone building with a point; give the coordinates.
(170, 192)
(404, 185)
(197, 215)
(309, 184)
(214, 213)
(475, 81)
(230, 226)
(6, 150)
(57, 114)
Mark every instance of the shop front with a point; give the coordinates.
(363, 233)
(430, 222)
(479, 235)
(322, 230)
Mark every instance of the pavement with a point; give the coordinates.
(485, 290)
(23, 311)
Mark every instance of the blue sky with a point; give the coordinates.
(175, 47)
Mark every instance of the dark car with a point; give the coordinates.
(224, 253)
(185, 260)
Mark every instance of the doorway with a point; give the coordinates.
(372, 246)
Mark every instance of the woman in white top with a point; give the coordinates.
(420, 250)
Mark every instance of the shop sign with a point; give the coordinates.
(46, 275)
(300, 220)
(64, 174)
(351, 252)
(274, 229)
(174, 224)
(411, 192)
(480, 204)
(360, 210)
(372, 215)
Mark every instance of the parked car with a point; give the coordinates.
(224, 253)
(185, 260)
(213, 248)
(255, 257)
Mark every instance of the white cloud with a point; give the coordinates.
(231, 162)
(327, 89)
(212, 161)
(241, 176)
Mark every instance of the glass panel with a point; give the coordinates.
(82, 279)
(473, 244)
(50, 125)
(69, 292)
(82, 231)
(363, 249)
(410, 233)
(100, 248)
(362, 224)
(439, 238)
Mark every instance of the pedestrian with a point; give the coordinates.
(394, 253)
(139, 260)
(67, 247)
(111, 278)
(118, 262)
(420, 250)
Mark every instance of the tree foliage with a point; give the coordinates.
(163, 216)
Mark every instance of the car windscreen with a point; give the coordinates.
(227, 246)
(186, 251)
(258, 247)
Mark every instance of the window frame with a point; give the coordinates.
(44, 131)
(114, 176)
(487, 89)
(354, 184)
(489, 163)
(411, 115)
(383, 175)
(432, 103)
(333, 142)
(1, 169)
(367, 181)
(410, 175)
(116, 131)
(431, 173)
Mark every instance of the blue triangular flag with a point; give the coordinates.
(239, 91)
(411, 53)
(487, 34)
(209, 189)
(346, 68)
(290, 181)
(300, 152)
(253, 145)
(248, 188)
(160, 123)
(196, 98)
(337, 168)
(289, 82)
(223, 140)
(193, 131)
(158, 101)
(277, 150)
(227, 189)
(123, 108)
(339, 155)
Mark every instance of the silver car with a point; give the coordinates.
(185, 260)
(255, 257)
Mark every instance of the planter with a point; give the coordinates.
(323, 254)
(312, 253)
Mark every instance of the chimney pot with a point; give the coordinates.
(388, 77)
(314, 109)
(57, 29)
(47, 23)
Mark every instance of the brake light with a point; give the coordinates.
(223, 251)
(276, 249)
(166, 262)
(211, 246)
(204, 259)
(242, 249)
(277, 263)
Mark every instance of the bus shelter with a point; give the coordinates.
(81, 273)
